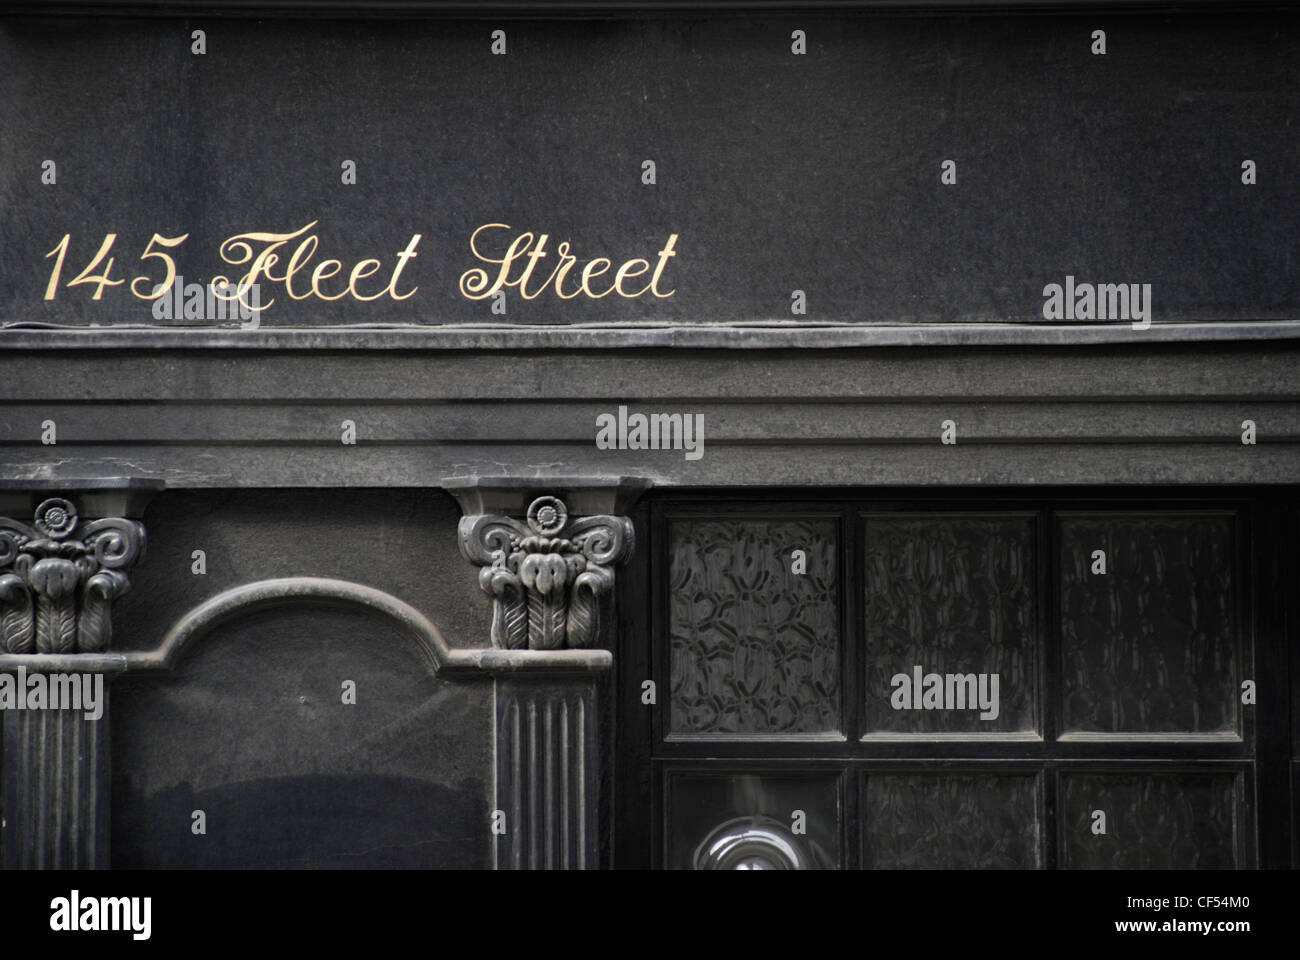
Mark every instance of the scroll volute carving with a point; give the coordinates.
(548, 575)
(59, 577)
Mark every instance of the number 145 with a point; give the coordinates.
(101, 279)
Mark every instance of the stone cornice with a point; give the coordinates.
(781, 335)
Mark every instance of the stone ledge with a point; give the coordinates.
(758, 336)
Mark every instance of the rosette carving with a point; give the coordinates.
(547, 575)
(59, 577)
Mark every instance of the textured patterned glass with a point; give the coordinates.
(954, 596)
(1152, 821)
(1151, 645)
(951, 821)
(755, 647)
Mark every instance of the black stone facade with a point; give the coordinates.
(498, 589)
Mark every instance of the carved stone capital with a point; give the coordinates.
(59, 576)
(547, 575)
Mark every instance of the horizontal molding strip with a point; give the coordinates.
(535, 422)
(760, 336)
(736, 465)
(1141, 372)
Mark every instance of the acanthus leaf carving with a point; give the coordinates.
(59, 577)
(547, 577)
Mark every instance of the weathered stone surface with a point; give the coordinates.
(1047, 415)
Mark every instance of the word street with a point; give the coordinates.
(479, 284)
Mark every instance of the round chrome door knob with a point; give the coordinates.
(752, 843)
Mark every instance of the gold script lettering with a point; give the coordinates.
(479, 283)
(240, 250)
